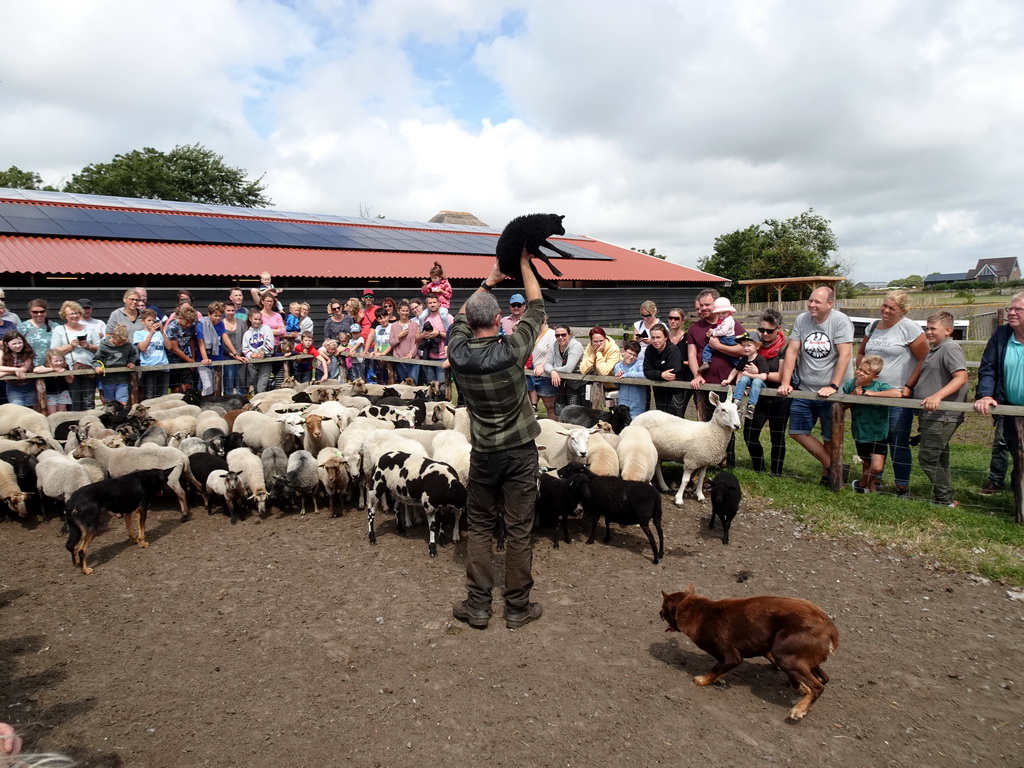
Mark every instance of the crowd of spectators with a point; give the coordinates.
(816, 356)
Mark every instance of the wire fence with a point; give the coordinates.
(975, 453)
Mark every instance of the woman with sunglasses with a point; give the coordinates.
(337, 320)
(564, 357)
(642, 327)
(773, 411)
(37, 330)
(677, 336)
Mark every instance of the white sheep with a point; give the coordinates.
(354, 401)
(164, 401)
(697, 444)
(638, 458)
(93, 469)
(182, 423)
(302, 478)
(191, 445)
(121, 461)
(320, 432)
(602, 459)
(558, 446)
(452, 448)
(249, 465)
(229, 486)
(450, 417)
(332, 472)
(211, 420)
(12, 415)
(141, 411)
(33, 445)
(424, 437)
(342, 414)
(58, 476)
(260, 431)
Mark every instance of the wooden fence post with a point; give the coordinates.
(1018, 462)
(597, 395)
(835, 475)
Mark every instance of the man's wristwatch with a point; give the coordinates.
(485, 286)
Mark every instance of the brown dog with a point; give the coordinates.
(794, 634)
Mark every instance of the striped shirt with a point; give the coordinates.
(490, 373)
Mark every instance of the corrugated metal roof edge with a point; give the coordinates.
(211, 267)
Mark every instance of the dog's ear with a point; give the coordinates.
(664, 594)
(690, 589)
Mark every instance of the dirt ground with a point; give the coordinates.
(295, 642)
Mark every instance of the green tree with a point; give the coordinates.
(15, 178)
(650, 252)
(190, 173)
(802, 246)
(910, 281)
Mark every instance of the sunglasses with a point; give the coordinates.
(767, 330)
(673, 317)
(644, 315)
(561, 335)
(38, 311)
(516, 304)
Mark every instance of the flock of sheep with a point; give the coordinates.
(388, 450)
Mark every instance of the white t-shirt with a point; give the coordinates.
(893, 346)
(819, 348)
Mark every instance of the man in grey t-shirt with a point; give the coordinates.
(819, 350)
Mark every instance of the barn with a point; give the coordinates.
(58, 246)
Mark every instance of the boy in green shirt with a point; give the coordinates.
(870, 422)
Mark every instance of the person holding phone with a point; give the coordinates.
(78, 343)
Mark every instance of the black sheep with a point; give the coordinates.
(556, 500)
(531, 232)
(624, 502)
(725, 501)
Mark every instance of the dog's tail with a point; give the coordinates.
(74, 533)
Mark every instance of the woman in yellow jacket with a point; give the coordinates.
(601, 354)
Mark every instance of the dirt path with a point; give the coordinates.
(295, 642)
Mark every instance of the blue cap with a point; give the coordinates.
(355, 328)
(517, 298)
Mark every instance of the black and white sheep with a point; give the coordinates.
(432, 485)
(400, 416)
(619, 501)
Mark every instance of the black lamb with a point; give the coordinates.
(624, 502)
(725, 501)
(531, 232)
(558, 498)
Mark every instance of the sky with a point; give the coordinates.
(653, 124)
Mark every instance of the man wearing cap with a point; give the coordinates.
(516, 306)
(503, 462)
(89, 320)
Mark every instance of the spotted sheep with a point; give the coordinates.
(432, 485)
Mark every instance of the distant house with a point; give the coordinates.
(871, 285)
(996, 270)
(946, 277)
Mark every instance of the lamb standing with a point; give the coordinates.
(698, 445)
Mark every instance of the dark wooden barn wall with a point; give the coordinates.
(576, 306)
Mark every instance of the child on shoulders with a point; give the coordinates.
(754, 381)
(724, 329)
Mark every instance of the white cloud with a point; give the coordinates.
(661, 127)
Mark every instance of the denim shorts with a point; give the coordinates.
(544, 388)
(804, 413)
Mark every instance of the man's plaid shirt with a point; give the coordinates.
(490, 373)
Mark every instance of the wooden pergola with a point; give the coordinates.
(781, 283)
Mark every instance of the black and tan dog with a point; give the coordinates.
(129, 495)
(795, 635)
